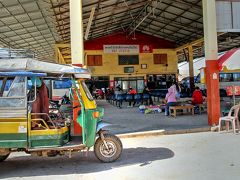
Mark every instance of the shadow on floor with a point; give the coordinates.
(27, 166)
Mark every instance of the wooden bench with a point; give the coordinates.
(182, 107)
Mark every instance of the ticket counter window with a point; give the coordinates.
(134, 82)
(160, 81)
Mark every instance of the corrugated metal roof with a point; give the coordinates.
(28, 24)
(38, 24)
(179, 21)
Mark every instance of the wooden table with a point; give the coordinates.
(188, 107)
(184, 100)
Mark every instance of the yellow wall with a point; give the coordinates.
(111, 68)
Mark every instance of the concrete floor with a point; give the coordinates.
(183, 157)
(127, 120)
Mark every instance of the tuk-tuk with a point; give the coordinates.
(25, 123)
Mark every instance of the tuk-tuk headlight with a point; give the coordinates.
(96, 114)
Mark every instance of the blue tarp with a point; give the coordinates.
(23, 73)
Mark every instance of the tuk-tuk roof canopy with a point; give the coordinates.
(23, 73)
(32, 65)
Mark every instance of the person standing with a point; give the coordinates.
(118, 95)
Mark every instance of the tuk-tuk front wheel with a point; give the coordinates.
(110, 153)
(3, 157)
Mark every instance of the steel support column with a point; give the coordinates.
(191, 70)
(76, 28)
(211, 50)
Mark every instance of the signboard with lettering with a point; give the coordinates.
(121, 49)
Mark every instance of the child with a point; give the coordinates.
(197, 97)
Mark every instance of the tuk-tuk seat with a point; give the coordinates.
(41, 122)
(39, 126)
(40, 110)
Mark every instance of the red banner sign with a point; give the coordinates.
(233, 90)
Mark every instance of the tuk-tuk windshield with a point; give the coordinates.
(18, 87)
(13, 94)
(5, 83)
(85, 88)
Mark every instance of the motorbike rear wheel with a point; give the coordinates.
(4, 157)
(110, 154)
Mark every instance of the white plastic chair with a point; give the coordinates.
(231, 118)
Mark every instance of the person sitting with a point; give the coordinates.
(197, 97)
(170, 99)
(177, 89)
(108, 94)
(132, 92)
(100, 94)
(146, 91)
(118, 92)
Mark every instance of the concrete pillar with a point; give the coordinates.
(76, 29)
(211, 50)
(191, 70)
(77, 49)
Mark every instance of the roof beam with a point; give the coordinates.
(60, 5)
(123, 9)
(139, 16)
(14, 5)
(128, 8)
(178, 7)
(134, 6)
(167, 30)
(174, 19)
(89, 23)
(191, 5)
(161, 11)
(55, 14)
(178, 25)
(94, 21)
(11, 28)
(19, 14)
(183, 17)
(62, 45)
(193, 43)
(110, 28)
(28, 32)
